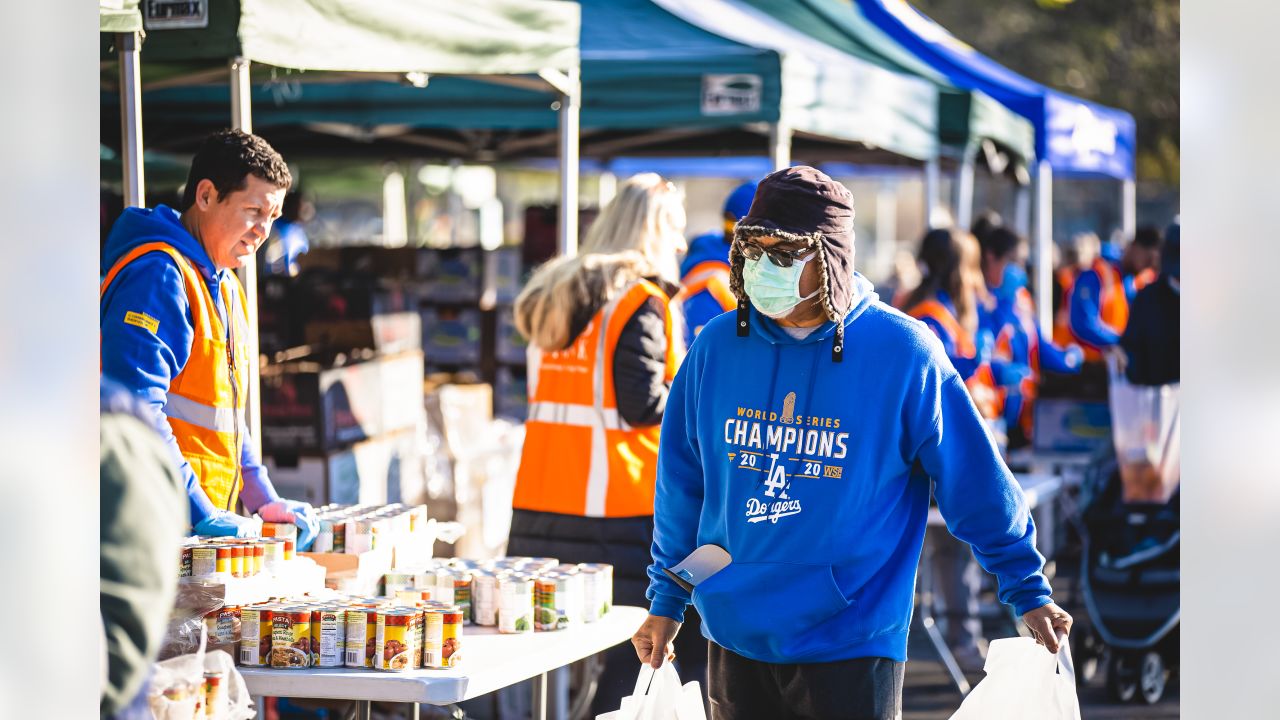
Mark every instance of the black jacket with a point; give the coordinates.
(1152, 336)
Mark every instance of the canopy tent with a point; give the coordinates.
(119, 16)
(531, 42)
(969, 120)
(120, 19)
(665, 76)
(1074, 137)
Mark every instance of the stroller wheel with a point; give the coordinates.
(1087, 653)
(1122, 677)
(1154, 676)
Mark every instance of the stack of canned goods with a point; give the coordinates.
(207, 557)
(356, 529)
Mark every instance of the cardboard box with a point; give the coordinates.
(511, 393)
(451, 336)
(381, 470)
(1063, 425)
(307, 408)
(453, 275)
(464, 413)
(385, 334)
(510, 346)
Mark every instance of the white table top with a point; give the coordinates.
(1037, 488)
(490, 661)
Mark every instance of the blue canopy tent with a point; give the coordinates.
(1074, 137)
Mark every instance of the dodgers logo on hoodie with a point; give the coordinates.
(780, 452)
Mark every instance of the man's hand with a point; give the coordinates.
(1047, 624)
(653, 640)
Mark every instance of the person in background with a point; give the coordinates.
(605, 346)
(1140, 262)
(801, 436)
(174, 329)
(1152, 338)
(1021, 351)
(143, 517)
(704, 272)
(288, 241)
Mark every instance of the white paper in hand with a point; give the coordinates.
(1023, 681)
(658, 695)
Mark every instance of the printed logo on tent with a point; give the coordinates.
(731, 94)
(1092, 134)
(175, 14)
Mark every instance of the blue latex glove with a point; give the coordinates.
(298, 513)
(986, 345)
(1074, 356)
(1010, 374)
(223, 523)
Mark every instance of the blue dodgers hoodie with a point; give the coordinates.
(146, 359)
(802, 468)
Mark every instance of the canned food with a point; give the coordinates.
(559, 599)
(255, 636)
(272, 552)
(515, 604)
(289, 531)
(184, 561)
(397, 580)
(462, 580)
(395, 639)
(340, 535)
(291, 638)
(442, 637)
(223, 626)
(359, 534)
(288, 549)
(598, 590)
(362, 628)
(324, 538)
(204, 560)
(237, 560)
(484, 598)
(212, 693)
(328, 636)
(259, 557)
(411, 598)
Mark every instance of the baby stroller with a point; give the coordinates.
(1130, 562)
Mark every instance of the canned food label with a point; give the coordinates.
(255, 637)
(328, 637)
(290, 641)
(361, 632)
(204, 560)
(394, 644)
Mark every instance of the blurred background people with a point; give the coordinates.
(704, 272)
(288, 240)
(1140, 262)
(605, 346)
(1020, 349)
(1152, 338)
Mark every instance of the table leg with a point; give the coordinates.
(417, 712)
(259, 706)
(558, 693)
(539, 709)
(931, 627)
(364, 710)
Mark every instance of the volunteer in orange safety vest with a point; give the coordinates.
(704, 273)
(174, 330)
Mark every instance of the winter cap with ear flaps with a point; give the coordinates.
(801, 204)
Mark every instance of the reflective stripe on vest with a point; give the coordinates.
(713, 277)
(205, 401)
(982, 384)
(580, 457)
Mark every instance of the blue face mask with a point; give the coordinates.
(773, 290)
(1013, 280)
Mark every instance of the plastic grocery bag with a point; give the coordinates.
(202, 685)
(1023, 681)
(659, 696)
(1146, 429)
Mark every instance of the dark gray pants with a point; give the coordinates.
(859, 689)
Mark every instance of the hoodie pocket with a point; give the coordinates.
(763, 610)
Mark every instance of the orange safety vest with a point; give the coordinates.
(1062, 318)
(206, 400)
(712, 276)
(1113, 306)
(982, 384)
(580, 457)
(1024, 315)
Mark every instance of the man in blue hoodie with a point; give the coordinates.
(803, 434)
(173, 327)
(704, 272)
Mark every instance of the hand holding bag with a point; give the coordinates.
(658, 695)
(1023, 681)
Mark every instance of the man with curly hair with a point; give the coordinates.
(174, 329)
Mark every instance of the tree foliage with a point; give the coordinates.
(1122, 53)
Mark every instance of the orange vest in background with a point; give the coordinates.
(712, 276)
(1025, 315)
(580, 457)
(982, 384)
(1113, 306)
(1144, 278)
(206, 400)
(1062, 318)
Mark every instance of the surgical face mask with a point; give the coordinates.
(1014, 279)
(773, 290)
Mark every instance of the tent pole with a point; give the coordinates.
(780, 144)
(1022, 210)
(1129, 208)
(242, 119)
(1044, 247)
(129, 48)
(964, 189)
(932, 188)
(570, 105)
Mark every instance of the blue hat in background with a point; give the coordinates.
(739, 202)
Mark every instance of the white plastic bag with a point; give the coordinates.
(1146, 429)
(659, 696)
(179, 689)
(1023, 681)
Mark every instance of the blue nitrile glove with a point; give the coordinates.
(986, 345)
(1074, 356)
(298, 513)
(224, 523)
(1010, 374)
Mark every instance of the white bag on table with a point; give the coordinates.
(659, 696)
(1023, 681)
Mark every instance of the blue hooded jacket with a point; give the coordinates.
(146, 362)
(815, 477)
(699, 308)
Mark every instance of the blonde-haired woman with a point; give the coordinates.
(605, 344)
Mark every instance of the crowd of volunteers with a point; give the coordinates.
(748, 389)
